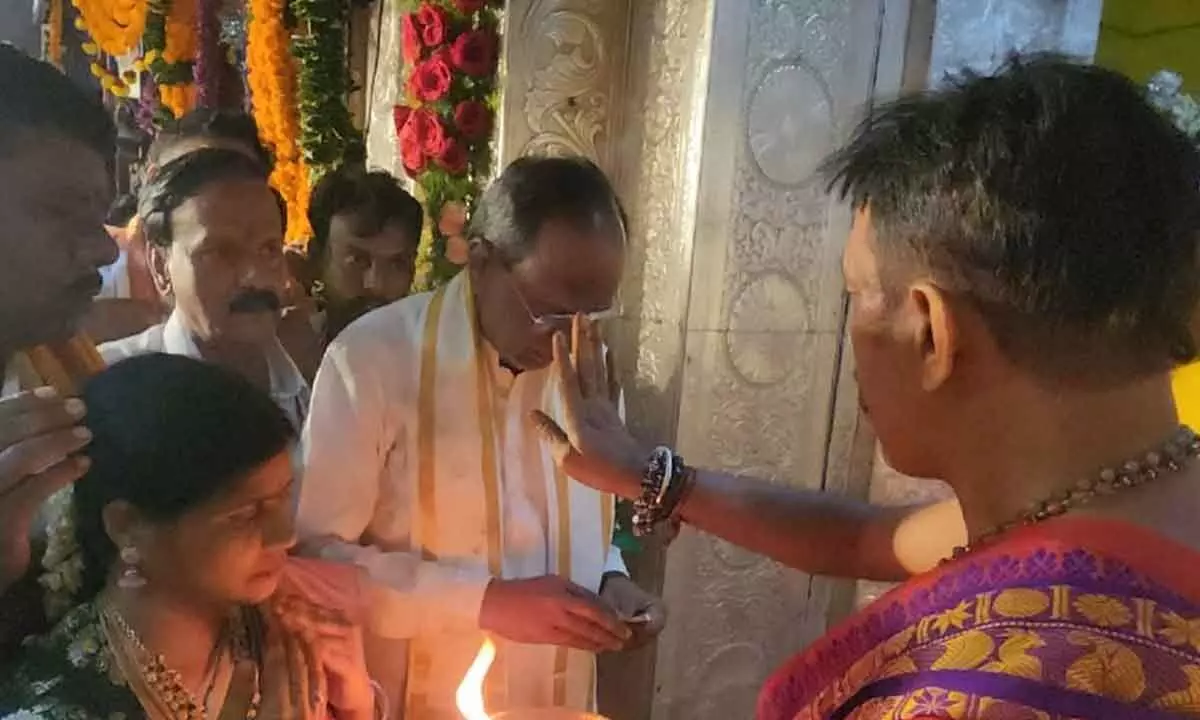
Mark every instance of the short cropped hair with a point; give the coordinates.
(373, 200)
(35, 96)
(535, 190)
(169, 186)
(1055, 198)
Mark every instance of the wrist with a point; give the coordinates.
(630, 472)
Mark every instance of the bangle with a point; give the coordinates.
(382, 711)
(665, 482)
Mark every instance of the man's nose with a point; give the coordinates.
(373, 277)
(255, 273)
(98, 249)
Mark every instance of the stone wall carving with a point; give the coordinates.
(656, 167)
(764, 333)
(564, 64)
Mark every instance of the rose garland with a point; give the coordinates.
(272, 78)
(444, 129)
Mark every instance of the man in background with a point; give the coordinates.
(363, 253)
(214, 229)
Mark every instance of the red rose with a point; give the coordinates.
(411, 154)
(430, 80)
(473, 119)
(433, 133)
(453, 157)
(422, 136)
(432, 20)
(411, 41)
(474, 52)
(466, 7)
(400, 115)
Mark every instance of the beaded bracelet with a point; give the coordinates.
(665, 482)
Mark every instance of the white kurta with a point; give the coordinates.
(361, 500)
(289, 389)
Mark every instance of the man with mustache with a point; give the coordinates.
(214, 229)
(364, 247)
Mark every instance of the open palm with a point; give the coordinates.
(592, 445)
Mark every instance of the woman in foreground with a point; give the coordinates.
(1022, 271)
(169, 567)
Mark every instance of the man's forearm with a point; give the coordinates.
(820, 533)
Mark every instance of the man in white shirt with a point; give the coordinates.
(422, 466)
(214, 229)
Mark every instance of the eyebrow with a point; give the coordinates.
(284, 491)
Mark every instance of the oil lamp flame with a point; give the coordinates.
(469, 697)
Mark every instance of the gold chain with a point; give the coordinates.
(167, 683)
(1171, 456)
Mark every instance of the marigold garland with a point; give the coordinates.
(54, 33)
(272, 78)
(169, 49)
(114, 28)
(444, 130)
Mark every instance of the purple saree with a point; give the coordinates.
(1075, 618)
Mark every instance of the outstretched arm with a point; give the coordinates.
(824, 534)
(810, 531)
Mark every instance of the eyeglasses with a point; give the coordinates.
(555, 322)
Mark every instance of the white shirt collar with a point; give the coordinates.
(285, 378)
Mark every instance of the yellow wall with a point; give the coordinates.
(1141, 37)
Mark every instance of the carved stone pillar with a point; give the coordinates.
(766, 388)
(564, 68)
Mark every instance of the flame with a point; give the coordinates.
(469, 697)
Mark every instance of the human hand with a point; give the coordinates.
(39, 436)
(594, 447)
(646, 614)
(334, 647)
(551, 610)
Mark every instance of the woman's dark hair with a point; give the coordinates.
(169, 433)
(166, 188)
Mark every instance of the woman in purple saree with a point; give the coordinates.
(1022, 272)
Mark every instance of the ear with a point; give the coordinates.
(123, 523)
(158, 260)
(478, 254)
(936, 334)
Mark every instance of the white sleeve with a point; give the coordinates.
(615, 563)
(346, 447)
